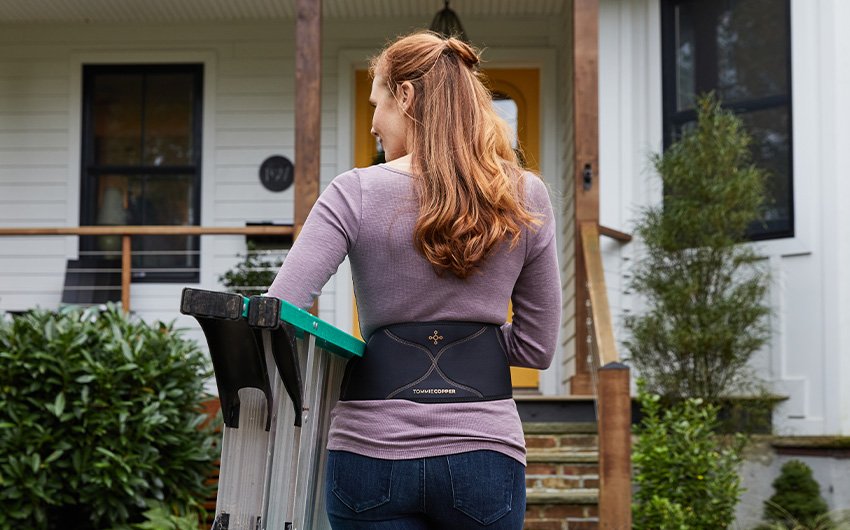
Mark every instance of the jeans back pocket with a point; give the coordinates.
(360, 482)
(482, 484)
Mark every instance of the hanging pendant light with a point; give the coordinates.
(447, 24)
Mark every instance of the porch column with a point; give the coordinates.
(585, 32)
(308, 112)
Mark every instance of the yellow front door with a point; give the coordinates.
(516, 94)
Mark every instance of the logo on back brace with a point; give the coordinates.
(434, 391)
(436, 337)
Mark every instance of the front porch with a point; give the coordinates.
(280, 78)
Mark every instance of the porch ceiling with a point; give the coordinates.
(53, 11)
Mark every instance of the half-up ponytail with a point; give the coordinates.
(464, 52)
(469, 183)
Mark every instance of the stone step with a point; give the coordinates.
(581, 497)
(555, 509)
(563, 456)
(555, 442)
(565, 470)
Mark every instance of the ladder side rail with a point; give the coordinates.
(314, 380)
(243, 462)
(335, 372)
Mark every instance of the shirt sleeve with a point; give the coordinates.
(328, 235)
(532, 336)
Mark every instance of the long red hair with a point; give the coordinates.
(469, 182)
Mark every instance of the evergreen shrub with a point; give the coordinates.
(703, 289)
(99, 416)
(796, 501)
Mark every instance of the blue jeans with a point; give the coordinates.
(477, 489)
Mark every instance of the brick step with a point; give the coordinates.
(555, 509)
(555, 496)
(561, 436)
(563, 470)
(562, 476)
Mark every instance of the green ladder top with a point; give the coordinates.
(328, 336)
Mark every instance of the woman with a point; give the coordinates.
(440, 238)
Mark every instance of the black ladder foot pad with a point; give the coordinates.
(201, 303)
(238, 363)
(237, 356)
(264, 313)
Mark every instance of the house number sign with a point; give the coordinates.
(277, 173)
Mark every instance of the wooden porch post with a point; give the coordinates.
(615, 448)
(308, 111)
(586, 147)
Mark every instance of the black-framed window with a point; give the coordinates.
(740, 49)
(141, 164)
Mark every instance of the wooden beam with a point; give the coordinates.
(603, 328)
(308, 88)
(614, 234)
(615, 448)
(585, 30)
(126, 268)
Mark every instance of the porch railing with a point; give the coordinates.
(611, 387)
(126, 233)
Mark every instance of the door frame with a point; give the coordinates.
(551, 165)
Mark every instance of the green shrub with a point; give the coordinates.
(660, 513)
(253, 274)
(686, 476)
(160, 516)
(98, 414)
(796, 500)
(704, 291)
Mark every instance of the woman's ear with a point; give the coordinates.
(406, 93)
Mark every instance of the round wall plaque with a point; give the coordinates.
(277, 173)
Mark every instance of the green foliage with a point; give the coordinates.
(704, 290)
(159, 516)
(98, 412)
(660, 513)
(253, 275)
(686, 476)
(827, 521)
(796, 500)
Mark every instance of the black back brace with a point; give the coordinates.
(431, 362)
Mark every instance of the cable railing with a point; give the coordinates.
(611, 387)
(110, 272)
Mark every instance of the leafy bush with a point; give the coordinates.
(685, 475)
(253, 275)
(704, 290)
(98, 413)
(160, 516)
(660, 513)
(796, 501)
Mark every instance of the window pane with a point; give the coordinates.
(506, 108)
(685, 44)
(771, 150)
(162, 200)
(738, 48)
(117, 119)
(168, 120)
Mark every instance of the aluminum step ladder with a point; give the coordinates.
(275, 426)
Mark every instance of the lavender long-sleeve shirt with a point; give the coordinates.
(369, 214)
